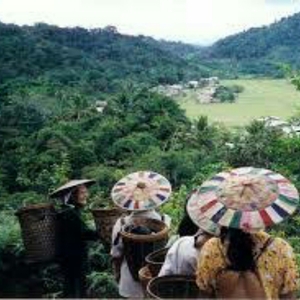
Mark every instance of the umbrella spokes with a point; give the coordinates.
(141, 190)
(247, 198)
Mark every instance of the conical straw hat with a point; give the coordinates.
(245, 198)
(69, 185)
(143, 190)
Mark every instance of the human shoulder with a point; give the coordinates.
(184, 241)
(67, 211)
(282, 246)
(261, 237)
(212, 243)
(279, 247)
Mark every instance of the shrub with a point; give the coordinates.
(235, 88)
(224, 94)
(102, 284)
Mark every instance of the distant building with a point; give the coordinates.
(214, 80)
(100, 109)
(100, 105)
(173, 90)
(206, 95)
(209, 81)
(193, 84)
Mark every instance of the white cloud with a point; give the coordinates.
(197, 21)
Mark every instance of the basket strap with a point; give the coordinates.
(117, 239)
(264, 248)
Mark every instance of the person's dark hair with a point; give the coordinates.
(186, 226)
(240, 249)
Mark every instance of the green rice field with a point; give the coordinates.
(261, 97)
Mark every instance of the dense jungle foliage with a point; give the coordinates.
(137, 130)
(51, 131)
(260, 51)
(96, 60)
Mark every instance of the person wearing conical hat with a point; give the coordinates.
(140, 193)
(73, 235)
(181, 258)
(246, 262)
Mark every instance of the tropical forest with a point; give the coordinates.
(94, 103)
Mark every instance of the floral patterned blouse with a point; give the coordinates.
(276, 265)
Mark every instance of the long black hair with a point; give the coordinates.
(186, 226)
(240, 249)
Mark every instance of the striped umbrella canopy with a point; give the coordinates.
(246, 198)
(143, 190)
(200, 219)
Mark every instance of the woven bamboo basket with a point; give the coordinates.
(155, 260)
(173, 286)
(145, 276)
(105, 220)
(138, 246)
(38, 228)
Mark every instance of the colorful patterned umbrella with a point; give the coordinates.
(141, 190)
(200, 220)
(246, 198)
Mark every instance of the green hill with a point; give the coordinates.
(96, 60)
(260, 50)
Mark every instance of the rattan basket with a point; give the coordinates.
(105, 220)
(173, 286)
(155, 260)
(38, 228)
(145, 276)
(137, 247)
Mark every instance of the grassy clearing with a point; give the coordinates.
(261, 97)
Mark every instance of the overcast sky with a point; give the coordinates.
(193, 21)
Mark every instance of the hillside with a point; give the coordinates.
(96, 60)
(51, 131)
(260, 50)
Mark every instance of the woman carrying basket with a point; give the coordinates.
(246, 262)
(140, 193)
(73, 235)
(182, 257)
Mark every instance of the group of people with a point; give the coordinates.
(222, 238)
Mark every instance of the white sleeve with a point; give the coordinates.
(116, 243)
(173, 238)
(170, 265)
(167, 220)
